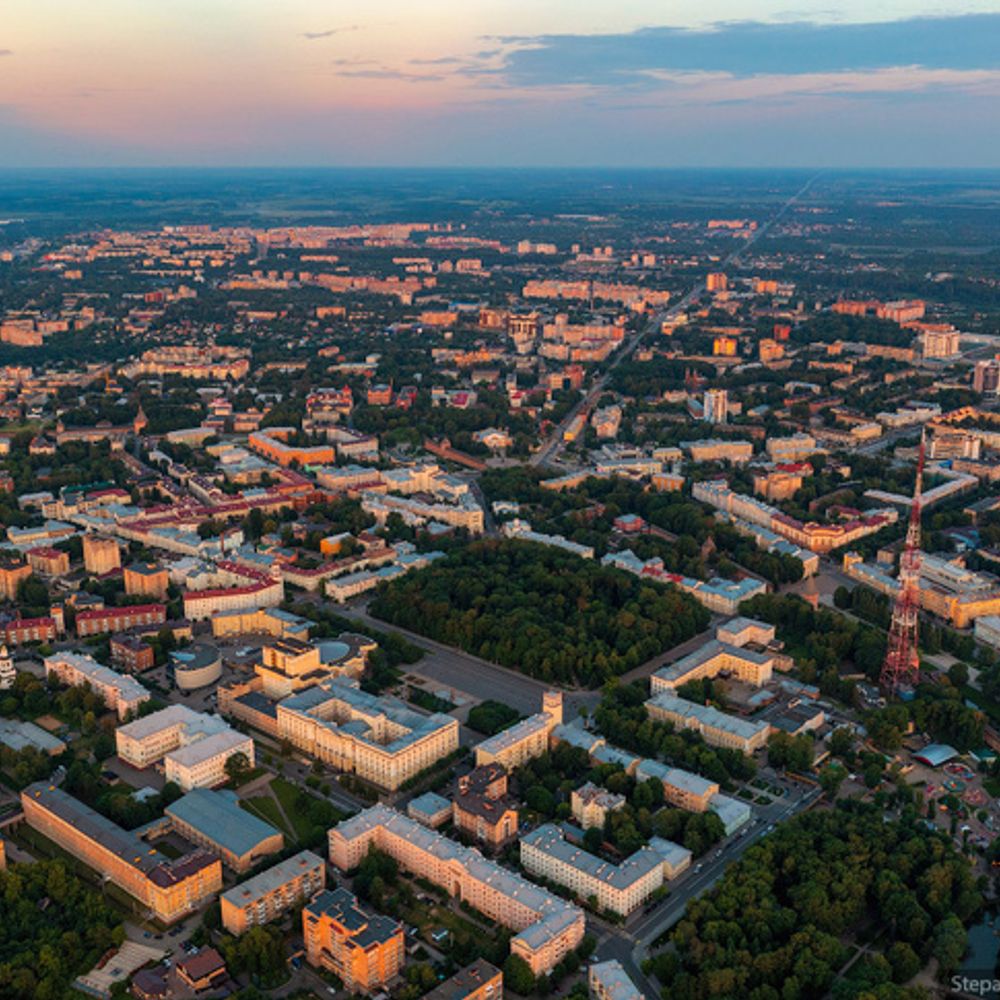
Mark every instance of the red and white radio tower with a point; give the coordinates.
(901, 668)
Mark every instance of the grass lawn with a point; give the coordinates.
(287, 794)
(265, 808)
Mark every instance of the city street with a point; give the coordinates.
(631, 944)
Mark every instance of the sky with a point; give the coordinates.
(633, 83)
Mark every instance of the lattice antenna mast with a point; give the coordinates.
(901, 668)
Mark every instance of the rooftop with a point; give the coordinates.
(273, 878)
(218, 816)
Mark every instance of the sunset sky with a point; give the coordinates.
(499, 82)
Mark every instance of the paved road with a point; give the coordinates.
(551, 449)
(631, 945)
(672, 655)
(452, 668)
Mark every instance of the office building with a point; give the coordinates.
(169, 889)
(377, 738)
(193, 746)
(526, 739)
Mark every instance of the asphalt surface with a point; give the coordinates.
(631, 944)
(551, 449)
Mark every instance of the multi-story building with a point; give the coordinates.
(122, 619)
(715, 408)
(379, 739)
(592, 805)
(215, 821)
(479, 981)
(275, 891)
(263, 621)
(11, 575)
(719, 450)
(121, 693)
(986, 376)
(939, 340)
(8, 672)
(100, 554)
(364, 950)
(547, 927)
(193, 746)
(169, 889)
(683, 789)
(713, 658)
(132, 654)
(272, 444)
(47, 561)
(201, 604)
(716, 728)
(620, 888)
(526, 739)
(146, 579)
(609, 981)
(796, 448)
(483, 809)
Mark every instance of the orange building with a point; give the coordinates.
(272, 892)
(11, 575)
(364, 950)
(716, 282)
(146, 579)
(479, 981)
(100, 555)
(483, 809)
(119, 619)
(272, 445)
(547, 928)
(169, 889)
(47, 561)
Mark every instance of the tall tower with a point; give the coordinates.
(901, 667)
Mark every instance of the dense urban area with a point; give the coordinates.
(462, 586)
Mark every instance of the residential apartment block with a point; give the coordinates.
(547, 927)
(121, 693)
(482, 808)
(364, 950)
(266, 896)
(717, 728)
(621, 888)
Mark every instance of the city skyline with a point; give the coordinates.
(319, 84)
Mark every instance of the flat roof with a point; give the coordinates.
(218, 817)
(272, 878)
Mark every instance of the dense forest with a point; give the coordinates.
(54, 927)
(779, 924)
(538, 609)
